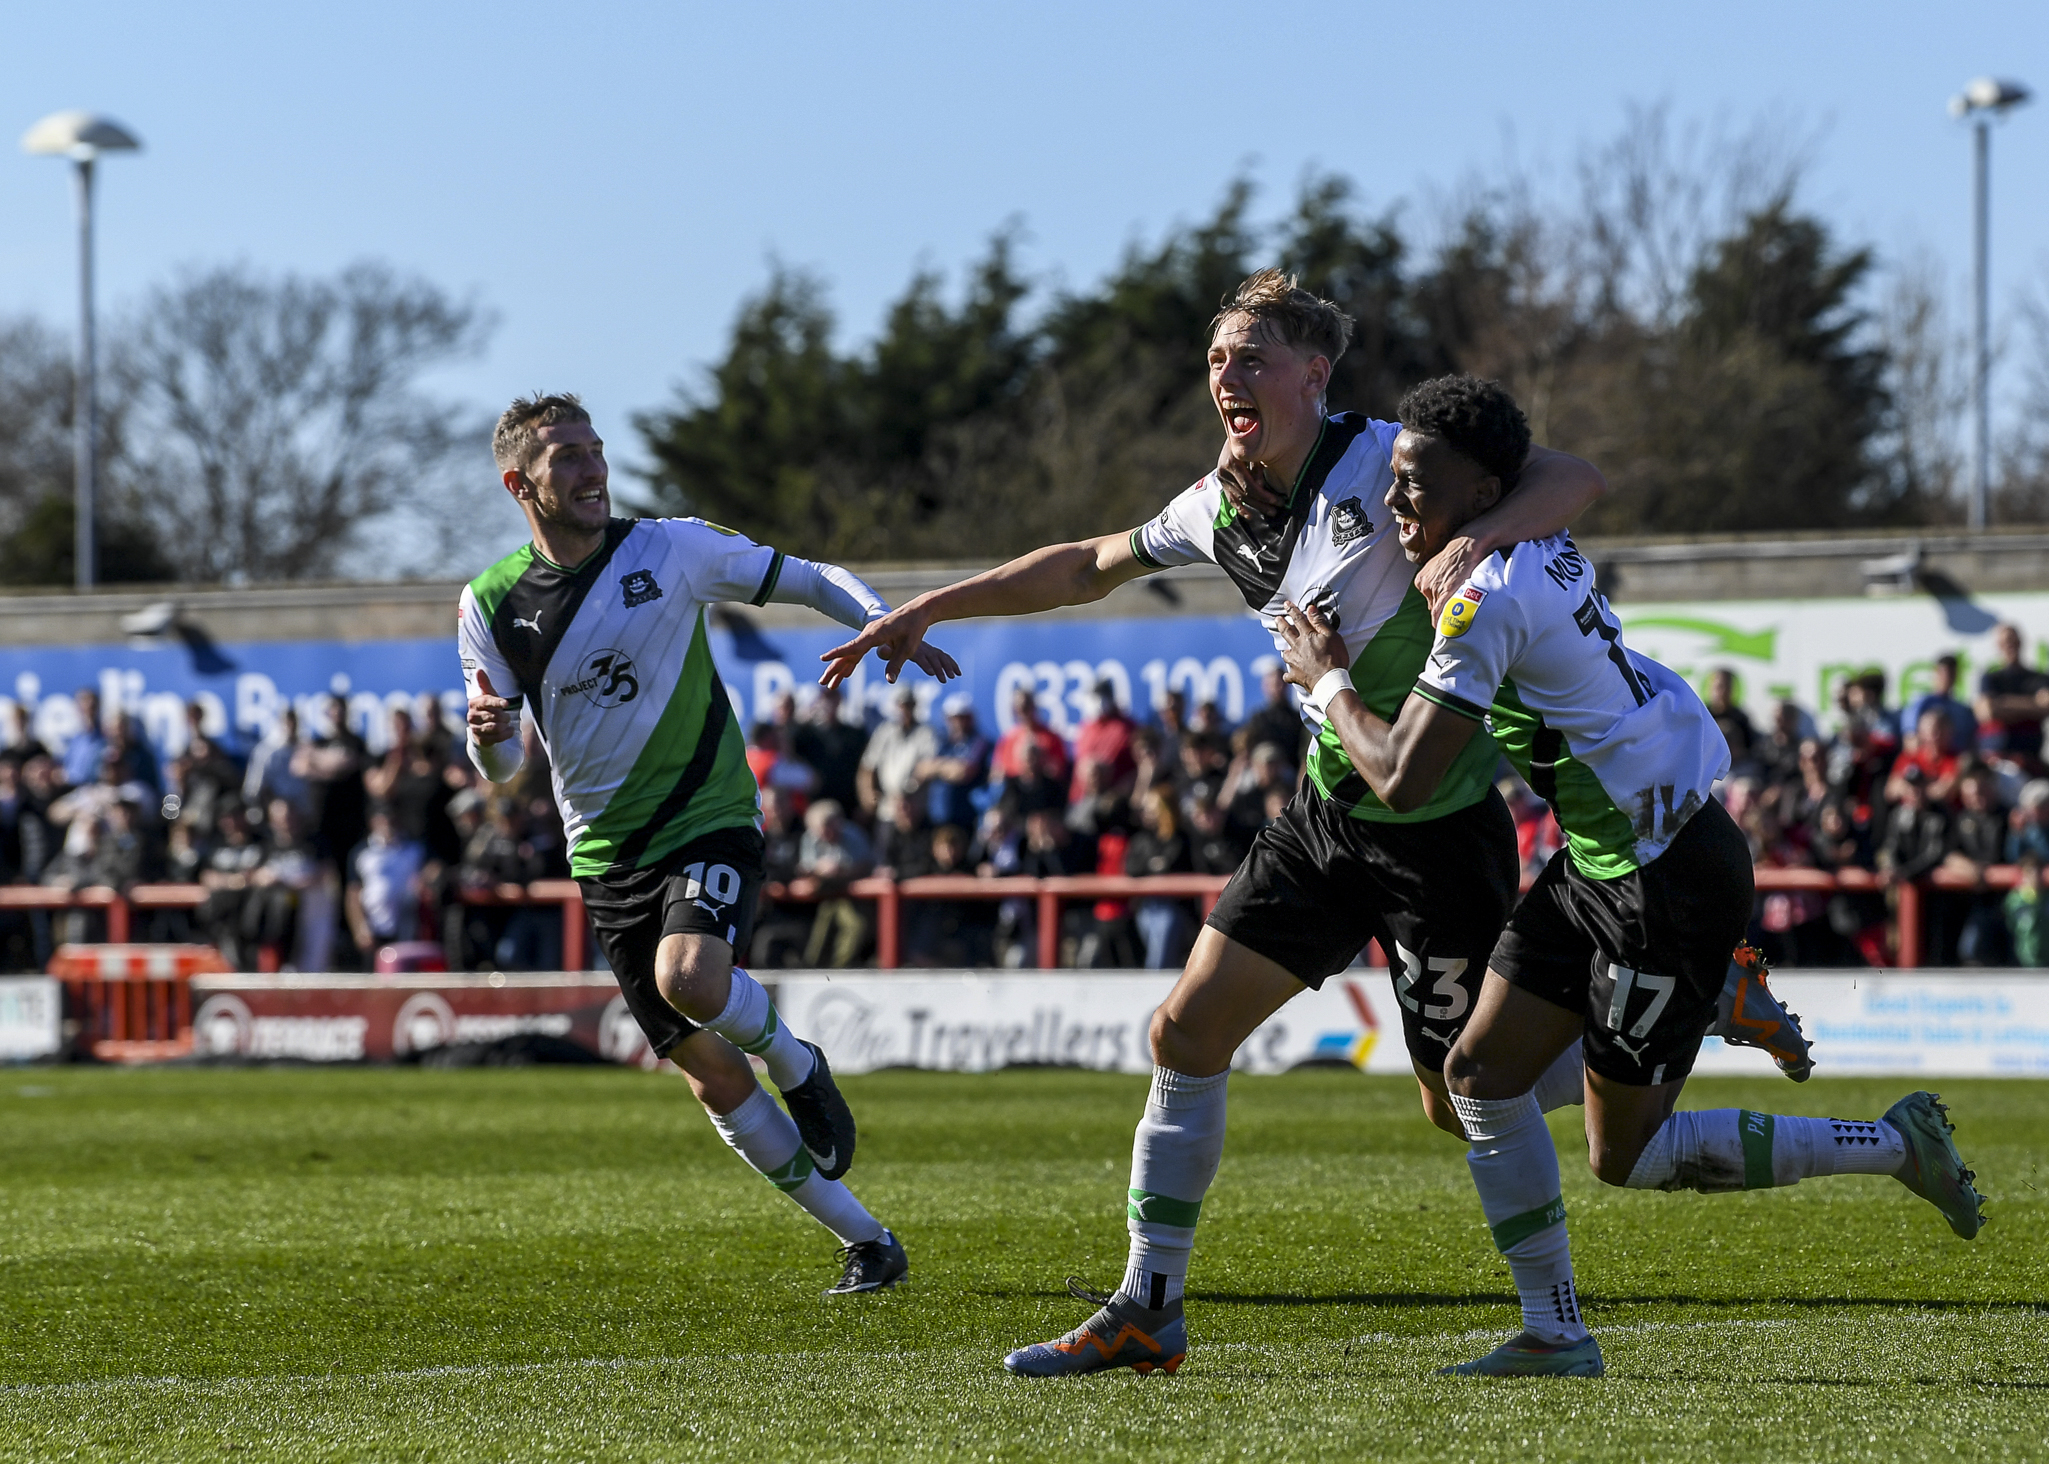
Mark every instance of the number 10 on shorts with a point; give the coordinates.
(719, 883)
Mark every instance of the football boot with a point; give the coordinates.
(1120, 1334)
(873, 1265)
(1748, 1015)
(1523, 1356)
(824, 1122)
(1934, 1170)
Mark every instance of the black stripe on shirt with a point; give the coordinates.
(769, 580)
(717, 712)
(1450, 702)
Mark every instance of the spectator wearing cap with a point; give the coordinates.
(1028, 731)
(890, 762)
(2012, 700)
(1941, 697)
(959, 766)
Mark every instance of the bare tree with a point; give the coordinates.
(1928, 379)
(272, 420)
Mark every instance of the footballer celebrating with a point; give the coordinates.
(1432, 882)
(596, 628)
(1621, 945)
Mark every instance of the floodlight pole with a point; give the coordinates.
(86, 411)
(1981, 327)
(1981, 102)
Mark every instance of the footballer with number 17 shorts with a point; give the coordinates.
(1618, 950)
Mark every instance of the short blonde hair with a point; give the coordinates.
(512, 440)
(1297, 316)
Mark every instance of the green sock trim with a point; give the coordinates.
(764, 1038)
(1518, 1228)
(793, 1173)
(1756, 1130)
(1162, 1209)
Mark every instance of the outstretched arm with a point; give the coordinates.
(841, 594)
(1403, 762)
(1065, 574)
(1554, 489)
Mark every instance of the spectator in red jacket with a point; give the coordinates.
(1028, 731)
(1105, 741)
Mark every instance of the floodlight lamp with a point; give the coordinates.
(80, 136)
(1988, 94)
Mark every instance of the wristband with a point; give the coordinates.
(1329, 685)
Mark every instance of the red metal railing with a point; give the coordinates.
(1048, 896)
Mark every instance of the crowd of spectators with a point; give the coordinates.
(315, 852)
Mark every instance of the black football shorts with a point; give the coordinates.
(1319, 884)
(1643, 957)
(710, 886)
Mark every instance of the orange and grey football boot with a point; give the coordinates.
(1120, 1334)
(1748, 1015)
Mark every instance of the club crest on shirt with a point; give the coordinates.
(1457, 616)
(1348, 521)
(640, 588)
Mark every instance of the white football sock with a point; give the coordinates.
(1565, 1081)
(1716, 1149)
(1174, 1158)
(766, 1137)
(1515, 1169)
(750, 1023)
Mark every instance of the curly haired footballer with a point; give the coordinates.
(1476, 416)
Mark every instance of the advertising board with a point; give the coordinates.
(31, 1017)
(1797, 648)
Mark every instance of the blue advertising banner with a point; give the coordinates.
(242, 686)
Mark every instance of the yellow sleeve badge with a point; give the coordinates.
(1457, 616)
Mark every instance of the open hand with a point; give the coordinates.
(1311, 649)
(492, 718)
(1247, 486)
(1449, 569)
(896, 637)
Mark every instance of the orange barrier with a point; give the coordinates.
(133, 1003)
(1048, 895)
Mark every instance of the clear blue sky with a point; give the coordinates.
(611, 178)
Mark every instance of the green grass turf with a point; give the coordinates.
(567, 1263)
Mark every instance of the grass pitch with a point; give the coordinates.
(566, 1263)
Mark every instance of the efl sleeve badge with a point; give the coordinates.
(1457, 616)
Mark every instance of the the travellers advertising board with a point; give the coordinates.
(1937, 1024)
(1797, 648)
